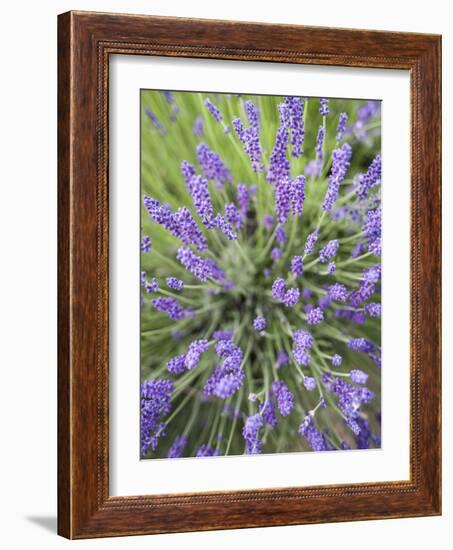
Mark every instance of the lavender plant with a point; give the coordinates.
(260, 274)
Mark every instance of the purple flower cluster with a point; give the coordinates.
(212, 166)
(201, 268)
(324, 107)
(341, 128)
(284, 398)
(259, 323)
(370, 179)
(311, 241)
(175, 284)
(250, 137)
(251, 434)
(302, 342)
(295, 108)
(309, 431)
(372, 229)
(180, 223)
(213, 110)
(278, 168)
(328, 251)
(178, 447)
(341, 159)
(227, 377)
(146, 244)
(297, 267)
(171, 307)
(315, 316)
(154, 405)
(155, 121)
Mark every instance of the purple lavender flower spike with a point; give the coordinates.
(198, 126)
(358, 376)
(213, 110)
(297, 267)
(311, 241)
(243, 198)
(295, 107)
(320, 141)
(373, 310)
(152, 286)
(250, 432)
(341, 159)
(303, 338)
(201, 268)
(314, 438)
(278, 289)
(233, 215)
(178, 447)
(297, 195)
(370, 179)
(146, 244)
(328, 251)
(301, 356)
(331, 268)
(309, 383)
(361, 344)
(174, 283)
(177, 364)
(194, 352)
(221, 222)
(199, 191)
(180, 223)
(315, 316)
(372, 228)
(280, 235)
(213, 166)
(303, 341)
(282, 191)
(337, 360)
(227, 377)
(338, 292)
(342, 121)
(350, 398)
(155, 121)
(250, 137)
(284, 397)
(278, 164)
(267, 411)
(259, 324)
(171, 307)
(291, 297)
(324, 107)
(154, 405)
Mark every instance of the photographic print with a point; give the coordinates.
(260, 275)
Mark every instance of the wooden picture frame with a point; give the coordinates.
(85, 42)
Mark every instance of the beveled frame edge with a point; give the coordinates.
(85, 42)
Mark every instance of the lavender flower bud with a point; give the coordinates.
(214, 111)
(259, 324)
(328, 251)
(315, 316)
(297, 267)
(358, 376)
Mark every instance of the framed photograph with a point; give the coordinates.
(249, 275)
